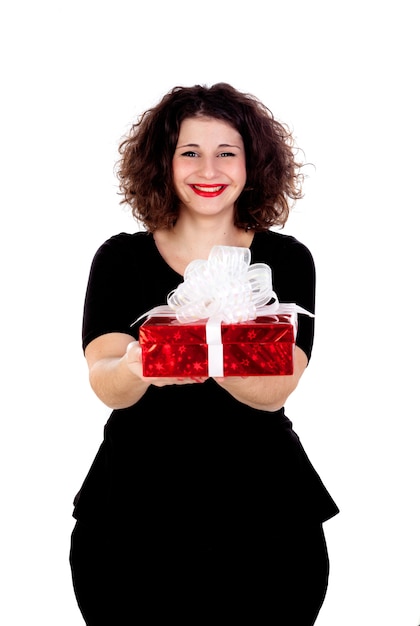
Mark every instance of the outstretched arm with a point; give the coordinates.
(267, 393)
(116, 373)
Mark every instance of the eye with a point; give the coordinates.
(227, 154)
(189, 153)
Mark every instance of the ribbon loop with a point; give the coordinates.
(225, 285)
(225, 288)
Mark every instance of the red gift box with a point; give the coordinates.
(260, 347)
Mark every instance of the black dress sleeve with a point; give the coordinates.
(107, 306)
(299, 286)
(294, 278)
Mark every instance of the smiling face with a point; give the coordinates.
(209, 168)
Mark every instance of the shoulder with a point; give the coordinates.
(283, 248)
(127, 240)
(123, 245)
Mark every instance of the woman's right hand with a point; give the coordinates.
(116, 373)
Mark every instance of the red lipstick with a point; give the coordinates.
(208, 191)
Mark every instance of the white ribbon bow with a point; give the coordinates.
(225, 287)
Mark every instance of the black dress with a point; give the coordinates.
(197, 507)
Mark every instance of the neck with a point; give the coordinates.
(204, 234)
(186, 241)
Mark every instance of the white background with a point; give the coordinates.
(344, 76)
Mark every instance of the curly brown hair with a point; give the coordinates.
(274, 178)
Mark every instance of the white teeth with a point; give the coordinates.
(208, 189)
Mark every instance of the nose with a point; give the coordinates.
(208, 167)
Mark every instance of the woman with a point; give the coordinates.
(201, 504)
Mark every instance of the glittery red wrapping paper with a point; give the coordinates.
(260, 347)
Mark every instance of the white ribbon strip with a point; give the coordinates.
(277, 308)
(215, 347)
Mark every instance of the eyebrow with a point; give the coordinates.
(221, 145)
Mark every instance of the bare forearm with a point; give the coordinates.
(116, 372)
(267, 393)
(115, 384)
